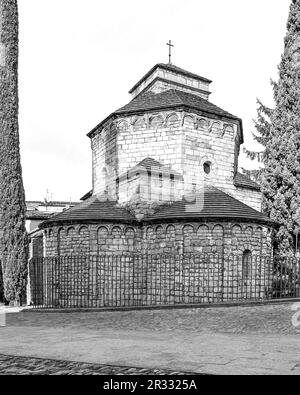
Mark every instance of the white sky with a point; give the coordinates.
(79, 58)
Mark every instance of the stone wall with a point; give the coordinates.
(213, 142)
(172, 238)
(119, 265)
(182, 141)
(150, 188)
(161, 80)
(36, 246)
(117, 281)
(250, 197)
(161, 85)
(123, 144)
(91, 239)
(36, 251)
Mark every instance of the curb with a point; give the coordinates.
(160, 307)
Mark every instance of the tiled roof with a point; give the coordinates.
(61, 203)
(209, 203)
(35, 214)
(32, 205)
(169, 67)
(153, 165)
(240, 180)
(150, 162)
(96, 208)
(170, 99)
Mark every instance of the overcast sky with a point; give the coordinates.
(79, 58)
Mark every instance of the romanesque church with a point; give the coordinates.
(165, 179)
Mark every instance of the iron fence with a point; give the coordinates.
(149, 280)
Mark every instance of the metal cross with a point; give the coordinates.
(170, 49)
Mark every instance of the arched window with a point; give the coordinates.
(216, 127)
(207, 168)
(229, 130)
(157, 122)
(139, 123)
(173, 121)
(188, 121)
(246, 265)
(202, 124)
(123, 126)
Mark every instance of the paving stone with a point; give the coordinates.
(10, 365)
(269, 319)
(228, 328)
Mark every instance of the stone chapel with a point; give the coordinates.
(165, 178)
(165, 181)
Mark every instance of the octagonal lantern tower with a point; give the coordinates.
(171, 123)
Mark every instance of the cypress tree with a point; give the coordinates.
(279, 133)
(262, 136)
(1, 286)
(13, 237)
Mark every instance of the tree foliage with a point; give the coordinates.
(1, 286)
(278, 131)
(13, 237)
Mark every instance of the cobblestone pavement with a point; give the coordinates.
(269, 319)
(226, 340)
(12, 365)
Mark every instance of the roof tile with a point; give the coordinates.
(172, 98)
(96, 208)
(153, 165)
(38, 215)
(240, 180)
(208, 203)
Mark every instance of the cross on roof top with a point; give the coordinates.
(170, 49)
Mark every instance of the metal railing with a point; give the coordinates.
(149, 280)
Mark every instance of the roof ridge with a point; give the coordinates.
(177, 94)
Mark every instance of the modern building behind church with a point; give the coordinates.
(165, 180)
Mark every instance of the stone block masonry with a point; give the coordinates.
(185, 142)
(167, 238)
(123, 265)
(172, 150)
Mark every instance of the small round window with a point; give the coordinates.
(207, 167)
